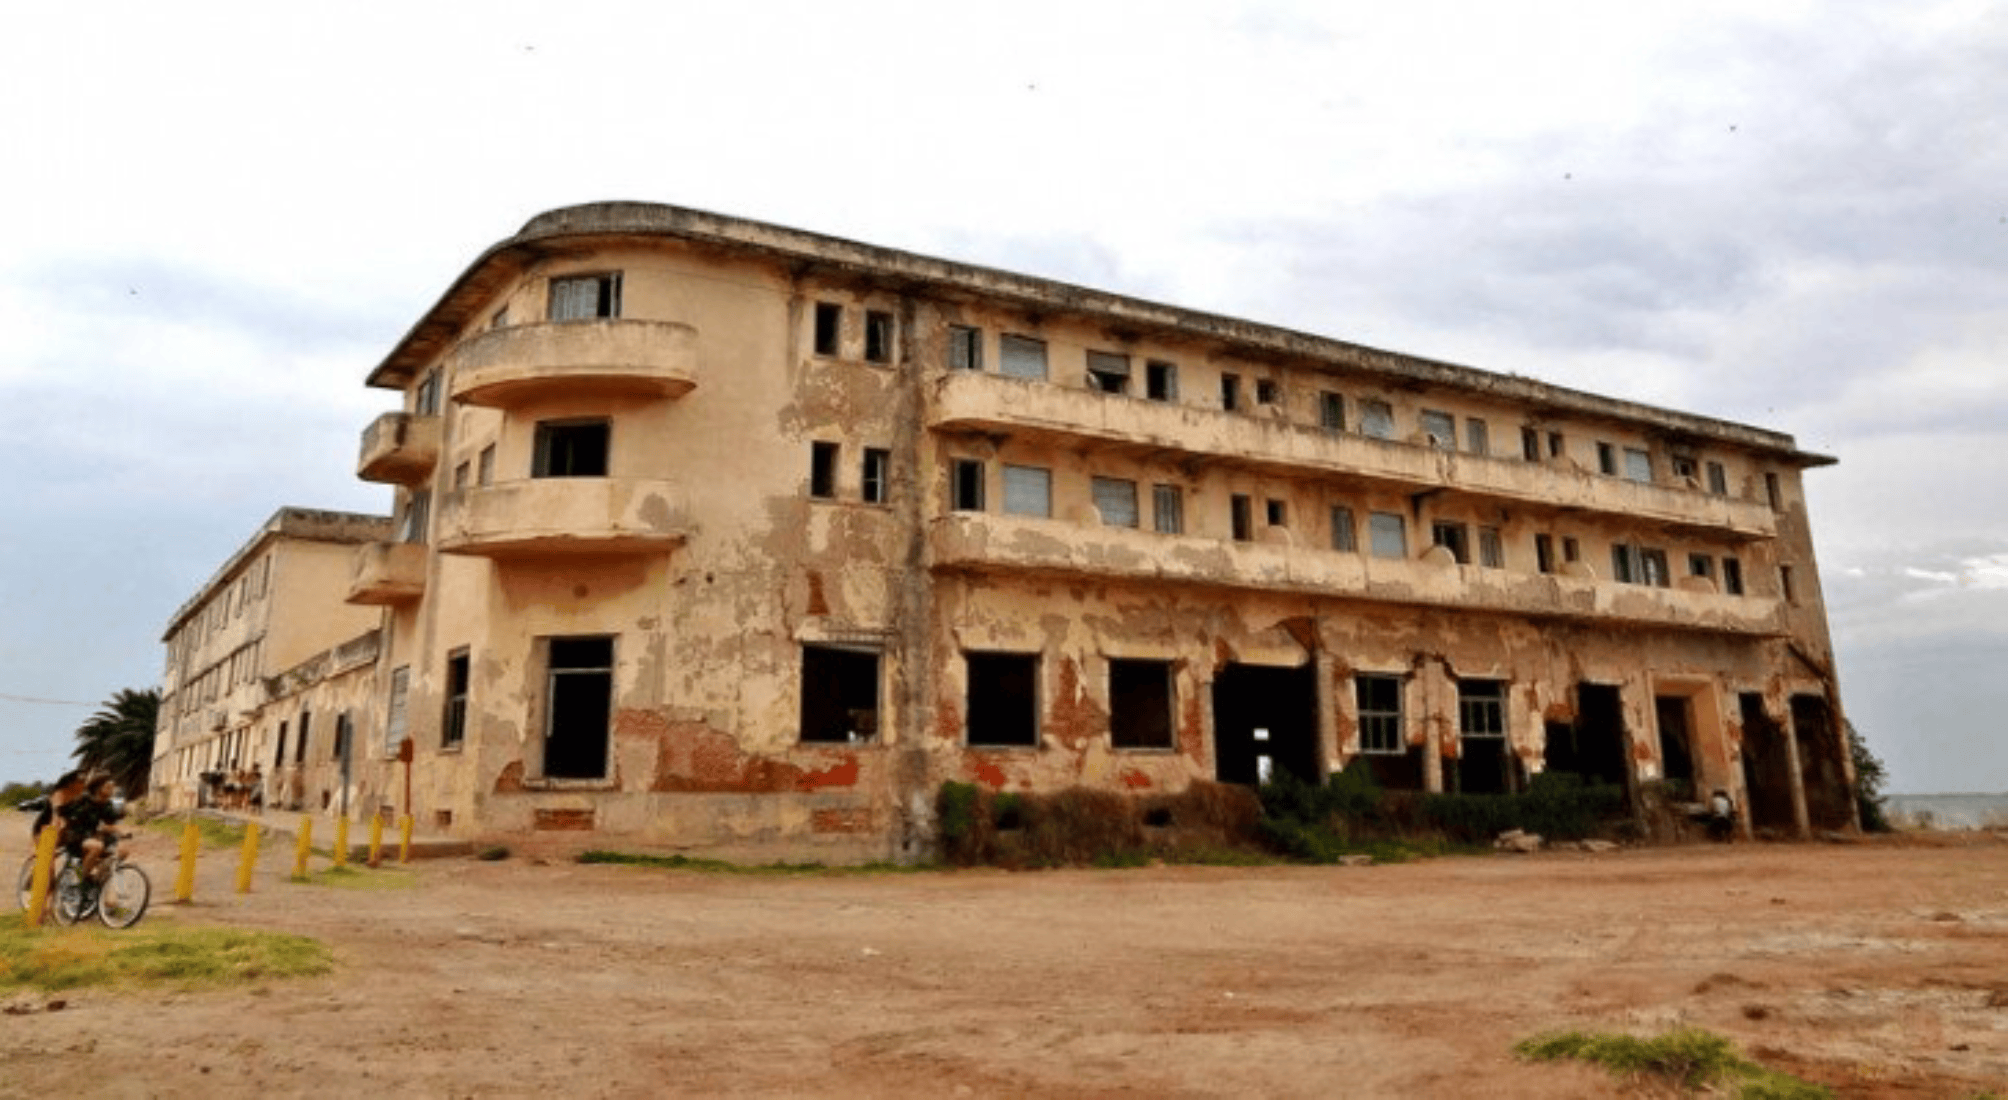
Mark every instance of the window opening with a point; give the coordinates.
(1021, 357)
(462, 473)
(1773, 493)
(417, 512)
(453, 723)
(1379, 701)
(1230, 392)
(878, 336)
(396, 720)
(1785, 585)
(1167, 504)
(1140, 704)
(1685, 469)
(1267, 392)
(484, 466)
(829, 328)
(1332, 411)
(1491, 548)
(1544, 553)
(571, 448)
(1530, 444)
(1555, 445)
(1377, 419)
(822, 470)
(1160, 381)
(966, 486)
(1732, 576)
(1028, 491)
(1003, 702)
(427, 399)
(1116, 500)
(1108, 372)
(586, 297)
(1607, 459)
(1477, 436)
(1387, 535)
(1344, 537)
(840, 694)
(965, 348)
(1454, 537)
(578, 703)
(1240, 516)
(1571, 549)
(1440, 428)
(877, 475)
(1638, 465)
(1701, 565)
(1276, 513)
(1718, 479)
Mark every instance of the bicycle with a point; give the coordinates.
(118, 894)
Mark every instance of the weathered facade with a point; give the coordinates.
(714, 533)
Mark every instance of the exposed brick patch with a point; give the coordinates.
(841, 774)
(694, 757)
(990, 775)
(1135, 780)
(1074, 720)
(564, 821)
(855, 820)
(510, 780)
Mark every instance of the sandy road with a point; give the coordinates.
(1869, 967)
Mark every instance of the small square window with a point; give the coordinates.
(1638, 465)
(571, 448)
(1686, 469)
(1116, 501)
(1701, 565)
(1454, 537)
(1387, 535)
(1276, 513)
(1376, 419)
(877, 475)
(1108, 372)
(829, 328)
(823, 470)
(878, 336)
(1160, 381)
(1028, 491)
(1267, 392)
(585, 297)
(1022, 357)
(840, 694)
(965, 348)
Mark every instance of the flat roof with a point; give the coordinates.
(306, 524)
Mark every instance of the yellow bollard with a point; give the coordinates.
(249, 858)
(404, 839)
(376, 839)
(191, 842)
(341, 842)
(306, 847)
(45, 858)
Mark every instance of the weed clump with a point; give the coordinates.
(1689, 1058)
(72, 958)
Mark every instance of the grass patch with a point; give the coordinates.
(214, 833)
(359, 877)
(53, 959)
(723, 867)
(1689, 1058)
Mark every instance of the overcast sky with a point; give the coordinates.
(221, 216)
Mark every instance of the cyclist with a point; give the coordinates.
(90, 824)
(69, 787)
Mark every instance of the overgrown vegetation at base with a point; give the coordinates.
(54, 959)
(1689, 1058)
(1870, 775)
(1206, 823)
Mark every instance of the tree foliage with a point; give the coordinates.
(118, 739)
(1870, 775)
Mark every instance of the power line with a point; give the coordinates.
(50, 702)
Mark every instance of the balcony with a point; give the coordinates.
(506, 367)
(564, 515)
(1058, 415)
(387, 573)
(399, 449)
(977, 542)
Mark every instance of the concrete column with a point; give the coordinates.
(1328, 714)
(1800, 815)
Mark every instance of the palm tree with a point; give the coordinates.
(118, 739)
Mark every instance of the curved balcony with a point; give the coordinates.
(387, 573)
(564, 515)
(509, 366)
(399, 449)
(1059, 415)
(977, 542)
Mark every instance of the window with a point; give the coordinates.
(1656, 573)
(1021, 357)
(1379, 700)
(1571, 549)
(1028, 491)
(840, 694)
(1607, 459)
(966, 485)
(829, 328)
(578, 701)
(1785, 586)
(1638, 565)
(1331, 411)
(1240, 517)
(965, 348)
(1556, 446)
(461, 475)
(1481, 709)
(1440, 428)
(279, 757)
(417, 512)
(453, 723)
(1685, 469)
(345, 731)
(878, 336)
(426, 401)
(484, 466)
(1344, 536)
(571, 448)
(586, 297)
(877, 478)
(1638, 465)
(1530, 444)
(1732, 576)
(1267, 392)
(1718, 479)
(1544, 553)
(499, 319)
(395, 722)
(1772, 493)
(1160, 381)
(1230, 392)
(1491, 548)
(1377, 419)
(1003, 704)
(1276, 513)
(1454, 537)
(1140, 704)
(1387, 535)
(1477, 436)
(822, 470)
(1701, 565)
(1167, 506)
(1108, 372)
(1116, 500)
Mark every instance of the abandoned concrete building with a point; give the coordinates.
(712, 533)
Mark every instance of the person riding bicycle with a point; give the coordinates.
(90, 824)
(69, 787)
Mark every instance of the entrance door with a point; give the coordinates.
(1265, 721)
(1767, 768)
(1676, 746)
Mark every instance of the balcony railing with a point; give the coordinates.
(980, 542)
(399, 449)
(973, 401)
(386, 573)
(518, 363)
(577, 515)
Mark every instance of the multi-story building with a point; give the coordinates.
(720, 533)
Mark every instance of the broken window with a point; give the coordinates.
(1440, 429)
(1481, 708)
(1021, 357)
(1276, 513)
(965, 348)
(1160, 381)
(829, 328)
(1638, 465)
(1701, 565)
(1530, 444)
(1344, 537)
(399, 713)
(453, 723)
(1140, 704)
(822, 470)
(1240, 517)
(1028, 491)
(1454, 537)
(1003, 702)
(586, 297)
(1607, 459)
(1654, 561)
(1116, 500)
(413, 519)
(878, 336)
(1718, 479)
(570, 448)
(1685, 469)
(1625, 567)
(966, 485)
(877, 475)
(462, 473)
(578, 702)
(1732, 576)
(840, 693)
(1267, 392)
(1230, 392)
(1773, 493)
(1331, 411)
(1544, 553)
(1491, 548)
(1556, 445)
(1167, 504)
(1387, 535)
(1379, 700)
(1484, 763)
(1477, 437)
(1376, 419)
(1108, 372)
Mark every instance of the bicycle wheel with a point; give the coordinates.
(71, 899)
(122, 899)
(27, 880)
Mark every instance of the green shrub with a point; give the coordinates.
(1689, 1058)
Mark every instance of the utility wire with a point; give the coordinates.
(51, 702)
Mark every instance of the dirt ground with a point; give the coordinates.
(1869, 967)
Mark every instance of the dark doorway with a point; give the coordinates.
(1829, 802)
(1767, 768)
(579, 702)
(1676, 746)
(1140, 704)
(1594, 745)
(1263, 713)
